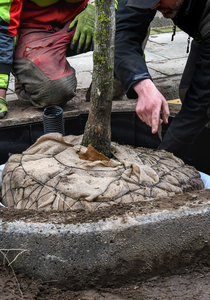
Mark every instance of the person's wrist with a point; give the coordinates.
(142, 84)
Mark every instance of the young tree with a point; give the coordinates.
(98, 127)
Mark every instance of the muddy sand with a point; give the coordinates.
(191, 284)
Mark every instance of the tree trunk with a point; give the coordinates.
(98, 127)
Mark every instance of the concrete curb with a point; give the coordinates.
(109, 252)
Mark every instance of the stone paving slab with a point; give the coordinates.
(161, 44)
(165, 56)
(83, 64)
(168, 68)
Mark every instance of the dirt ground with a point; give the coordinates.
(191, 284)
(188, 199)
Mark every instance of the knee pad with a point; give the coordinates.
(43, 75)
(34, 86)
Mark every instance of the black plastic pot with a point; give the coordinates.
(127, 128)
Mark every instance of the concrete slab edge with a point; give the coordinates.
(109, 252)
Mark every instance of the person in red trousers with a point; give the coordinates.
(36, 36)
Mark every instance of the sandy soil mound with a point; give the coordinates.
(57, 173)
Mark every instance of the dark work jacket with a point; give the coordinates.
(131, 29)
(130, 66)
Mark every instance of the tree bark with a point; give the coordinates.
(98, 127)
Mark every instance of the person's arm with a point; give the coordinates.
(130, 66)
(131, 29)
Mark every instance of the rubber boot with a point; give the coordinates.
(3, 107)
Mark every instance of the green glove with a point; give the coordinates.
(116, 4)
(85, 26)
(3, 107)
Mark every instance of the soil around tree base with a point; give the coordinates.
(192, 283)
(189, 283)
(188, 200)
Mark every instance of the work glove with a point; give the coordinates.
(85, 26)
(3, 107)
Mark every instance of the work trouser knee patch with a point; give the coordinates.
(34, 86)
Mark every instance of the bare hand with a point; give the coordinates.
(150, 103)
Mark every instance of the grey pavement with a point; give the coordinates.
(165, 60)
(165, 57)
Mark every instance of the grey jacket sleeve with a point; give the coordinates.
(131, 29)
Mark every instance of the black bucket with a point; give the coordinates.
(53, 120)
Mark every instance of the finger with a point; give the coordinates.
(148, 118)
(82, 40)
(88, 41)
(73, 46)
(140, 116)
(76, 36)
(165, 112)
(78, 49)
(156, 120)
(141, 112)
(72, 25)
